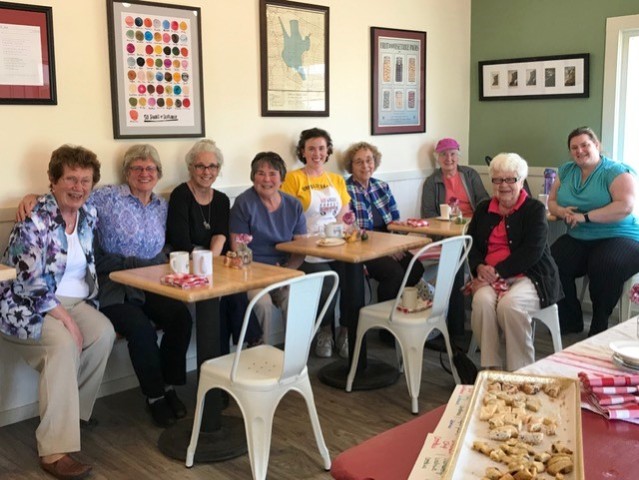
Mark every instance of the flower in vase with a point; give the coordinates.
(244, 238)
(349, 218)
(453, 202)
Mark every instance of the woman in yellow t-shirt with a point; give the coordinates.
(325, 199)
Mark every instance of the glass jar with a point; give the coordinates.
(245, 253)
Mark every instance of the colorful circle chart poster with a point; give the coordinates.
(156, 70)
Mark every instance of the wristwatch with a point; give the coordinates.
(587, 218)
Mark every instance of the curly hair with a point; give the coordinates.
(72, 156)
(350, 153)
(313, 133)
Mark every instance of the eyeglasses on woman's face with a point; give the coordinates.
(201, 168)
(138, 169)
(508, 180)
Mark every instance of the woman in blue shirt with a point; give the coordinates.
(595, 197)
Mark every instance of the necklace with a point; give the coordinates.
(207, 225)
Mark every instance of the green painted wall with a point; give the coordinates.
(537, 129)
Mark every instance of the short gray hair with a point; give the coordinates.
(141, 151)
(509, 162)
(204, 145)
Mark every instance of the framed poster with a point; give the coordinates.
(27, 64)
(155, 52)
(294, 59)
(559, 76)
(398, 78)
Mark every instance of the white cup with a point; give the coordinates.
(445, 209)
(409, 298)
(543, 198)
(203, 262)
(334, 230)
(179, 262)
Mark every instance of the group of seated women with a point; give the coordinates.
(67, 242)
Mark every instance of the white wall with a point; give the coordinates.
(231, 69)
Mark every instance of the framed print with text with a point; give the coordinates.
(559, 76)
(294, 59)
(155, 52)
(27, 64)
(398, 76)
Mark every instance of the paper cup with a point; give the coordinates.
(179, 262)
(203, 262)
(409, 298)
(444, 208)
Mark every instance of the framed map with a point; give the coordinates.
(294, 59)
(155, 52)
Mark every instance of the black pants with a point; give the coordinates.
(608, 264)
(390, 273)
(154, 366)
(232, 310)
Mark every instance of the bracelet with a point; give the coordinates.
(587, 218)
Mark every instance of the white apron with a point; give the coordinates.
(324, 206)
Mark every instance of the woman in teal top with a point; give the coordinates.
(595, 197)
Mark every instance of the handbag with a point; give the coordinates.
(466, 368)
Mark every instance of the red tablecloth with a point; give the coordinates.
(611, 449)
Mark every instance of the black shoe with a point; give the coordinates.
(175, 404)
(162, 414)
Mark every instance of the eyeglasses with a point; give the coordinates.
(367, 161)
(214, 167)
(72, 181)
(138, 169)
(508, 180)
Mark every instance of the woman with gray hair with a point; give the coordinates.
(198, 214)
(375, 207)
(514, 273)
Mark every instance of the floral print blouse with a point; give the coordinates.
(38, 250)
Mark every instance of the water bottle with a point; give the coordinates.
(549, 179)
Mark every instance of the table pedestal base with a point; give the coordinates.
(229, 441)
(377, 374)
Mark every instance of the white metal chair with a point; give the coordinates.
(412, 329)
(549, 316)
(259, 377)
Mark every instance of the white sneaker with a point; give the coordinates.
(324, 345)
(342, 344)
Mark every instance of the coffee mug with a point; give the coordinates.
(409, 298)
(179, 262)
(203, 262)
(543, 198)
(334, 230)
(445, 209)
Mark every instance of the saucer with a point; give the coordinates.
(330, 242)
(617, 360)
(442, 219)
(627, 350)
(420, 307)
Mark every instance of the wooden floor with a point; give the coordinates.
(123, 445)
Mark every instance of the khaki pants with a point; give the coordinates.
(509, 315)
(69, 380)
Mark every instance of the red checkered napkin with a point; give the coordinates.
(612, 396)
(184, 280)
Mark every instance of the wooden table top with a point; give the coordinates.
(7, 273)
(435, 226)
(226, 281)
(378, 245)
